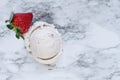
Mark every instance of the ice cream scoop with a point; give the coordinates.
(44, 42)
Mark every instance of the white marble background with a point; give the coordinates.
(91, 40)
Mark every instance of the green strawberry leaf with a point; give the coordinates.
(10, 26)
(7, 21)
(11, 17)
(18, 29)
(17, 35)
(22, 37)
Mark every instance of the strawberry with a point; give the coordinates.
(20, 23)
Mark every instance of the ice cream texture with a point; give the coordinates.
(44, 42)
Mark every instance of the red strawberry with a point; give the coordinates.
(23, 21)
(20, 23)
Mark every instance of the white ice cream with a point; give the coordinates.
(44, 42)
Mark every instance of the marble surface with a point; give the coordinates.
(91, 40)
